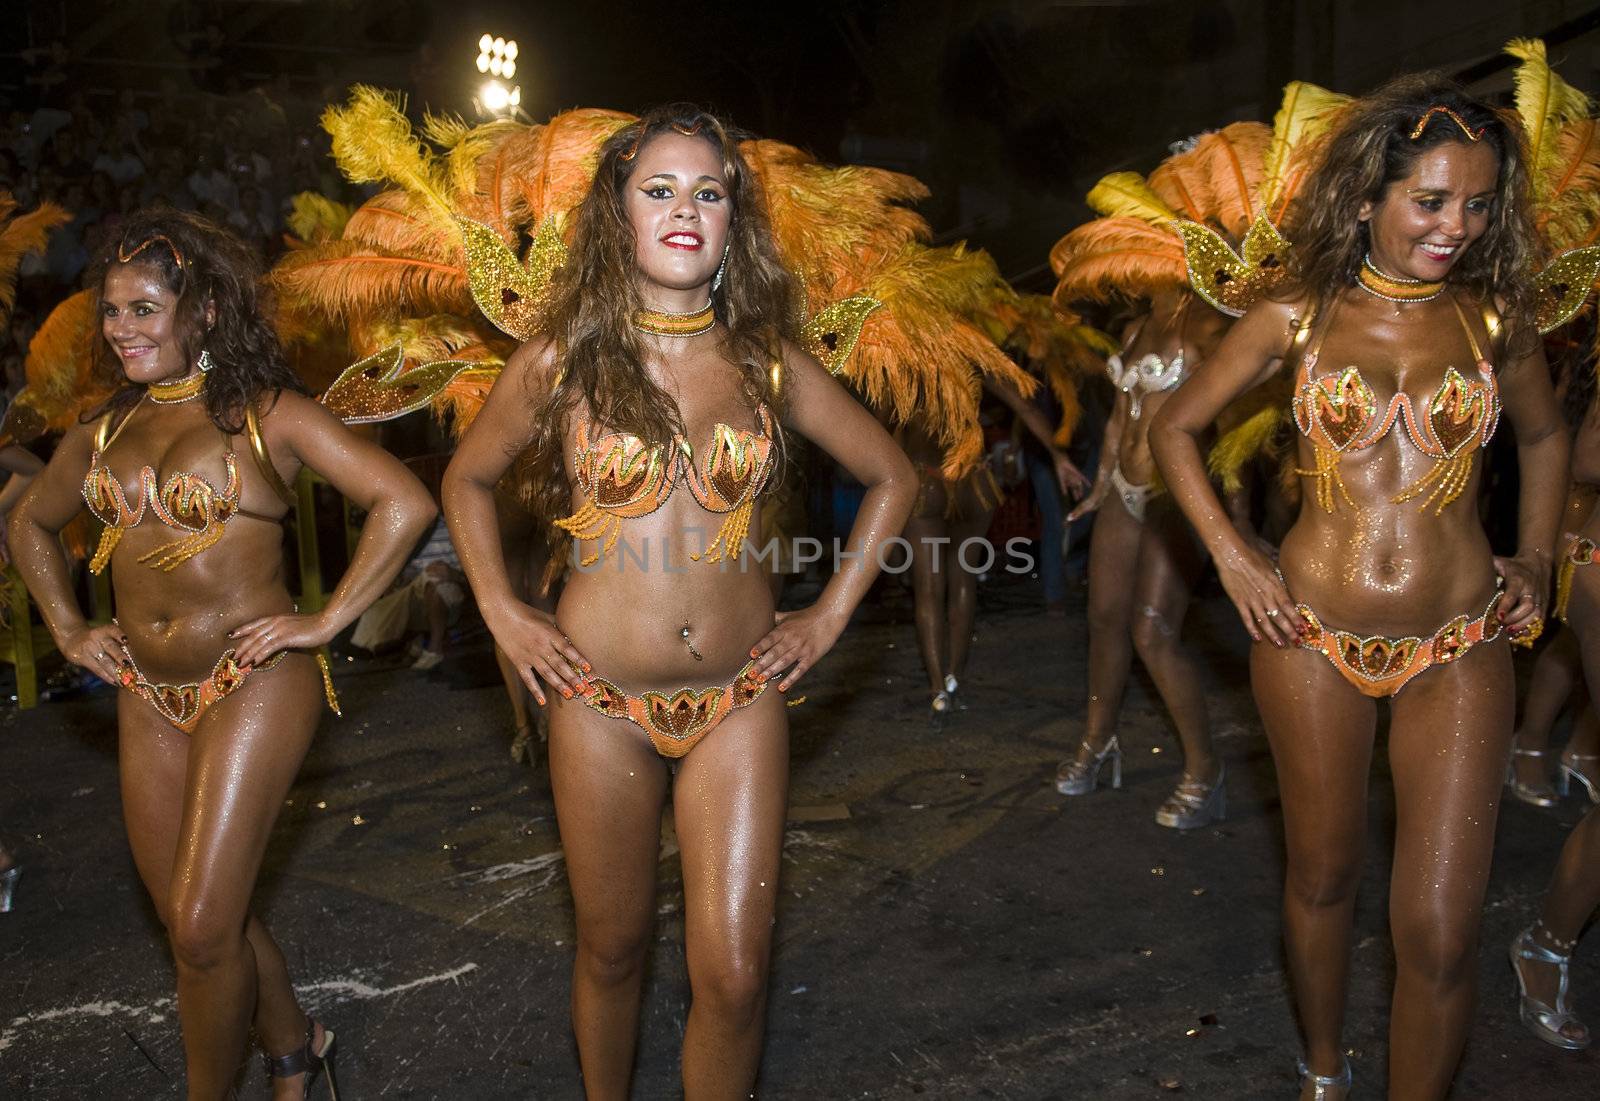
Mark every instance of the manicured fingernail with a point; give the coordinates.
(754, 652)
(783, 688)
(587, 668)
(567, 692)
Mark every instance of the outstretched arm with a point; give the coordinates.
(1072, 481)
(822, 411)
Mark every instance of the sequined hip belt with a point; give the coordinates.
(1379, 665)
(183, 705)
(675, 721)
(1579, 552)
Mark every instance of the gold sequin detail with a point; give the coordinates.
(1561, 289)
(1233, 281)
(379, 388)
(833, 333)
(512, 295)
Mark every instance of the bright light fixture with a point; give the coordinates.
(494, 96)
(486, 43)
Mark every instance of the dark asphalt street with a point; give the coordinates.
(950, 927)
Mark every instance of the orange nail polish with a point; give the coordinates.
(567, 692)
(754, 652)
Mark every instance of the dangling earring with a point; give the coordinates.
(205, 363)
(722, 269)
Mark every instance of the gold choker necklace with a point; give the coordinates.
(661, 323)
(1395, 289)
(171, 393)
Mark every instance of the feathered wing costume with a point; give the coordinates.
(894, 317)
(1175, 228)
(22, 235)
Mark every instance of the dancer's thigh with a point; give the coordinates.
(610, 786)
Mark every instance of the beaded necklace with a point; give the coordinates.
(661, 323)
(171, 393)
(1393, 288)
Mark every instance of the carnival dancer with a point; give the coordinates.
(187, 468)
(1408, 327)
(1142, 536)
(949, 513)
(651, 407)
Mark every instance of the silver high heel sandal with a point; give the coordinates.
(1193, 804)
(8, 886)
(1544, 1021)
(1082, 777)
(1540, 796)
(1565, 774)
(1325, 1082)
(307, 1061)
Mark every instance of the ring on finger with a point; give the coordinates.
(1272, 613)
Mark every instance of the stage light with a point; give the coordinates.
(497, 59)
(494, 96)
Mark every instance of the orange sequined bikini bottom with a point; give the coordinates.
(183, 705)
(676, 721)
(1380, 666)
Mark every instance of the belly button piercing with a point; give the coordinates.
(684, 634)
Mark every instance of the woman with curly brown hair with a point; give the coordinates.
(187, 466)
(668, 358)
(1409, 330)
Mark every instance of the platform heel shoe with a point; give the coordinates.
(1566, 773)
(1541, 795)
(1193, 804)
(1546, 1022)
(1082, 777)
(307, 1060)
(8, 886)
(1323, 1085)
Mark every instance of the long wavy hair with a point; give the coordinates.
(201, 263)
(601, 356)
(1371, 149)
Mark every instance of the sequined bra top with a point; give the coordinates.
(1149, 374)
(1339, 412)
(621, 477)
(186, 502)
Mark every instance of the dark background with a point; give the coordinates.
(1008, 110)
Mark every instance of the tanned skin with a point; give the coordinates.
(199, 807)
(1396, 570)
(729, 792)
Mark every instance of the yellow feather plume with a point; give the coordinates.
(20, 236)
(1126, 195)
(316, 219)
(1303, 120)
(373, 142)
(1248, 427)
(1570, 215)
(1545, 103)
